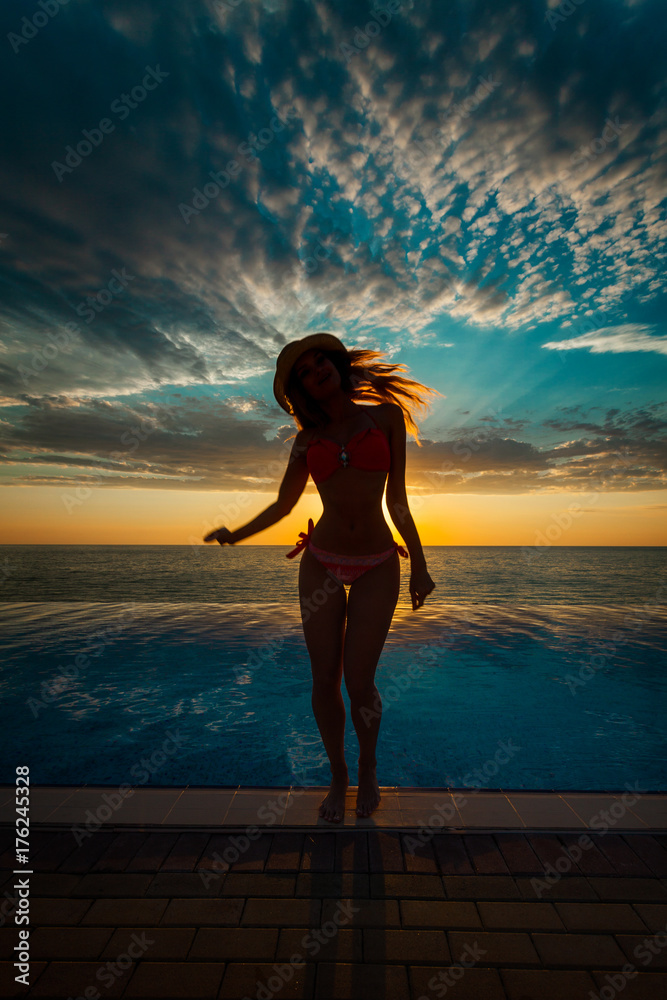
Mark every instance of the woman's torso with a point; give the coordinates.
(352, 522)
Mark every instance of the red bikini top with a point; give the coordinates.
(367, 449)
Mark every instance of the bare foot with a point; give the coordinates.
(332, 806)
(368, 794)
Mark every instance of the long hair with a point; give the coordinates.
(364, 377)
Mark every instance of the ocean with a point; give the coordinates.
(558, 654)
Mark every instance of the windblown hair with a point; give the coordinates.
(365, 377)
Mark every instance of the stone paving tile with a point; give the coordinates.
(485, 854)
(579, 951)
(124, 912)
(118, 885)
(151, 943)
(236, 944)
(550, 852)
(69, 942)
(333, 884)
(152, 853)
(362, 912)
(243, 979)
(622, 857)
(644, 949)
(382, 945)
(654, 915)
(429, 886)
(185, 852)
(522, 984)
(643, 985)
(91, 850)
(436, 913)
(183, 884)
(650, 851)
(207, 912)
(459, 983)
(524, 916)
(351, 852)
(384, 851)
(281, 912)
(285, 852)
(418, 855)
(630, 889)
(480, 887)
(52, 852)
(589, 859)
(569, 887)
(451, 854)
(175, 979)
(254, 854)
(351, 981)
(65, 979)
(503, 948)
(46, 884)
(517, 853)
(343, 946)
(319, 851)
(8, 985)
(56, 911)
(608, 917)
(120, 852)
(242, 884)
(8, 938)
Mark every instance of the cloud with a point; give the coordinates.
(615, 339)
(215, 444)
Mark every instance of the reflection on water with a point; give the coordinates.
(89, 689)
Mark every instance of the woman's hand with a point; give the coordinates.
(421, 585)
(221, 535)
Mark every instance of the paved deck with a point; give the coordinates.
(290, 909)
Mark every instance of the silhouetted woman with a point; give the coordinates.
(349, 450)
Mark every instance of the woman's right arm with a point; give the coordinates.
(292, 486)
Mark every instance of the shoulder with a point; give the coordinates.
(303, 438)
(389, 418)
(390, 414)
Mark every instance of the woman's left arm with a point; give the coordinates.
(421, 583)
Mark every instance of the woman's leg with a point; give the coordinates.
(370, 608)
(323, 603)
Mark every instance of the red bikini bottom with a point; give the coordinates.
(345, 569)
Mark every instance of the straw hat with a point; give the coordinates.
(289, 355)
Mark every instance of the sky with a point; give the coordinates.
(476, 189)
